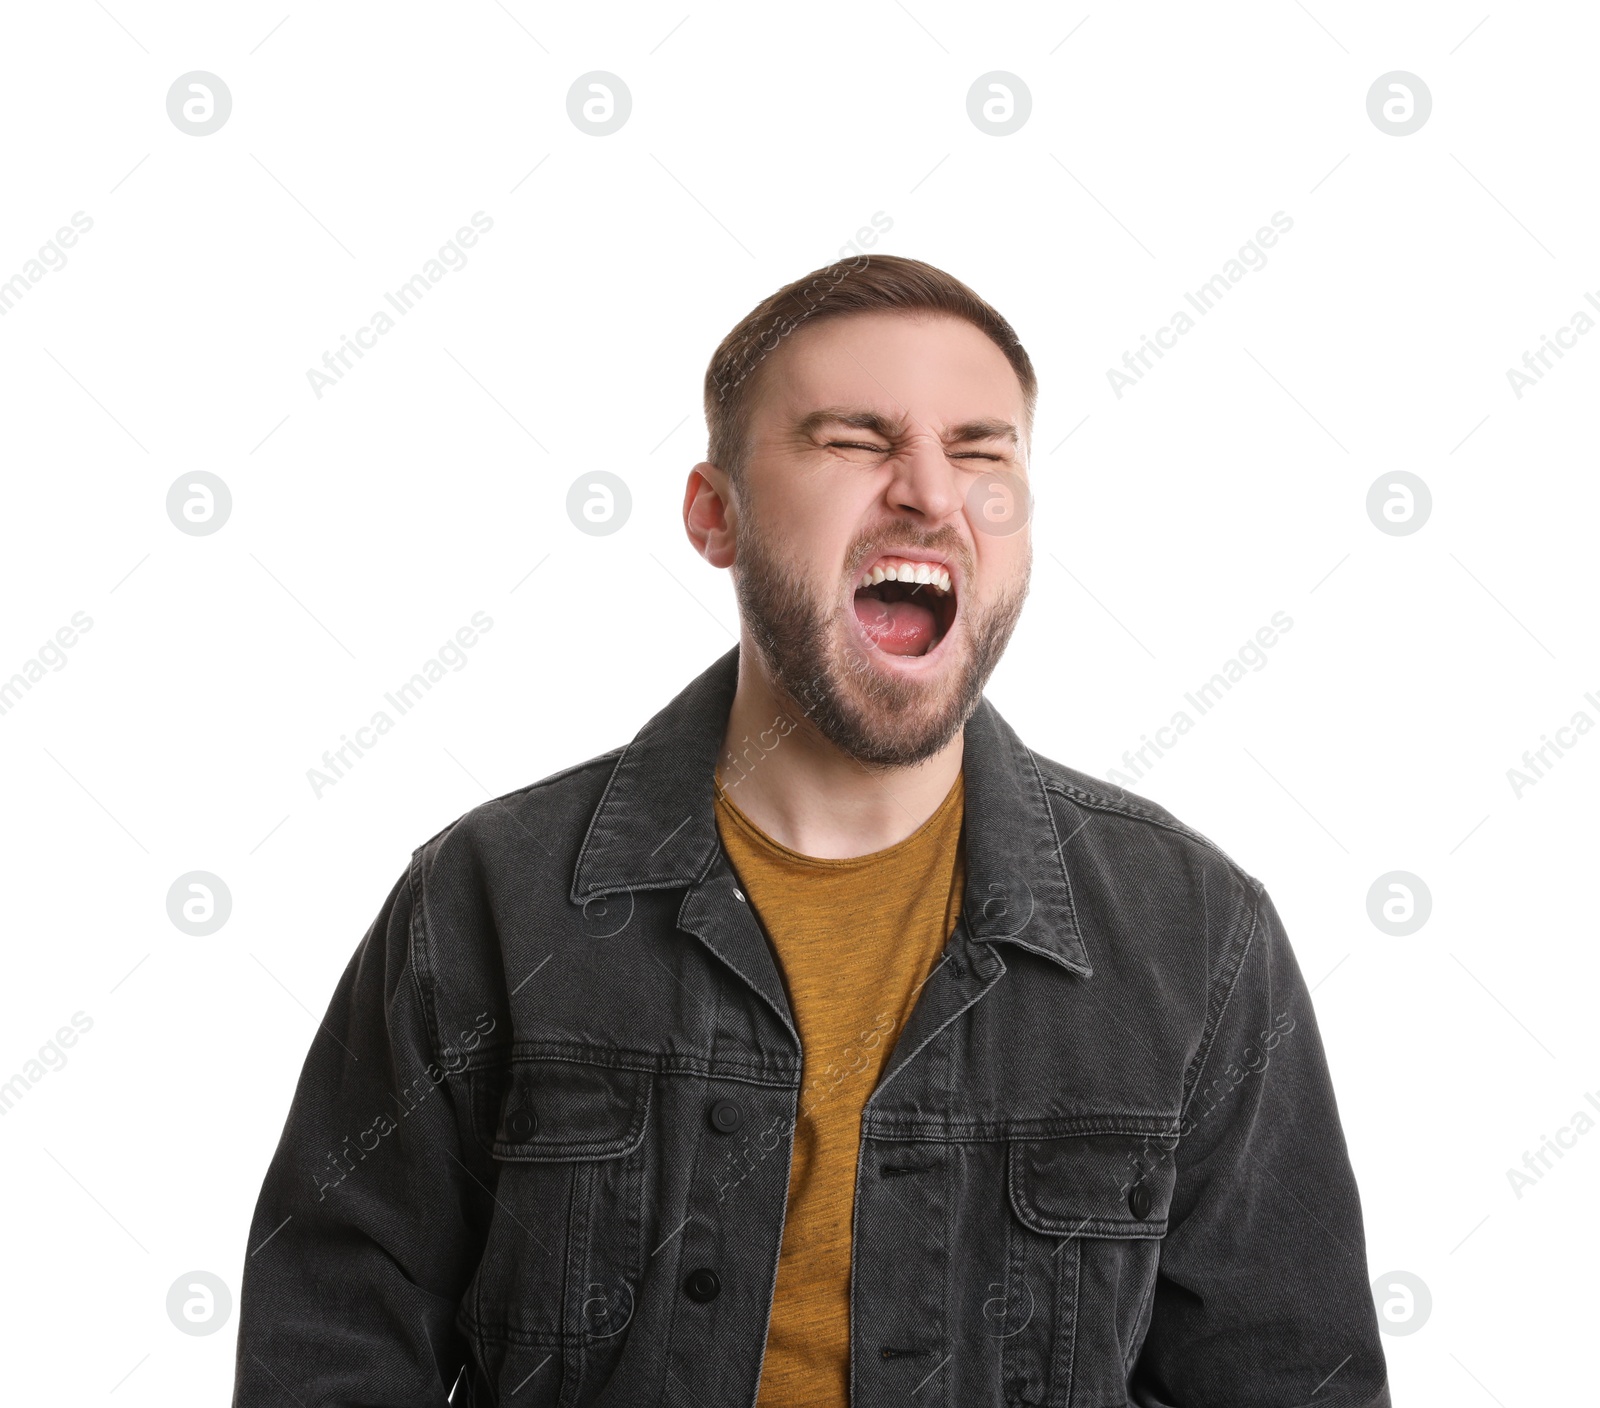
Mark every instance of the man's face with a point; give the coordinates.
(876, 444)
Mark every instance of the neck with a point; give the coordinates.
(806, 793)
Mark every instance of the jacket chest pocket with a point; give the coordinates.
(561, 1268)
(1088, 1215)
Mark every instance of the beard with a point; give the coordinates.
(815, 655)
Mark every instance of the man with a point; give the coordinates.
(825, 1044)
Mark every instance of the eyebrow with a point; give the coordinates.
(858, 418)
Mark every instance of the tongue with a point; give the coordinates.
(898, 627)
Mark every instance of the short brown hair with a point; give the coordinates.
(866, 284)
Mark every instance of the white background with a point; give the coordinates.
(369, 525)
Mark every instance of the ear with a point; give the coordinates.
(709, 514)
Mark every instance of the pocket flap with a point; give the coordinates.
(570, 1110)
(1093, 1185)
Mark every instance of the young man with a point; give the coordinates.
(825, 1044)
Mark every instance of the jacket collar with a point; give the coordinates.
(655, 827)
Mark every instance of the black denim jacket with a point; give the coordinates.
(539, 1151)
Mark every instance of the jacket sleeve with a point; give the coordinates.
(369, 1222)
(1262, 1294)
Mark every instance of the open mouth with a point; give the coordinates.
(904, 606)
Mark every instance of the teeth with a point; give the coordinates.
(918, 573)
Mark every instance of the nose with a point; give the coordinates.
(925, 483)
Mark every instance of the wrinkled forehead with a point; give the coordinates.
(914, 370)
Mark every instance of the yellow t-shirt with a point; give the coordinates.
(855, 939)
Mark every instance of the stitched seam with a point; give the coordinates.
(945, 1175)
(1063, 1324)
(711, 861)
(475, 1315)
(1114, 804)
(1044, 1127)
(417, 952)
(585, 1205)
(498, 1332)
(1105, 804)
(1208, 1038)
(594, 816)
(1136, 1340)
(1077, 1315)
(554, 777)
(675, 1251)
(1120, 1229)
(571, 1364)
(636, 1058)
(772, 1283)
(1010, 1369)
(1061, 860)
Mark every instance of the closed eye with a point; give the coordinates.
(884, 449)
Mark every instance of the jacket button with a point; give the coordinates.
(522, 1123)
(1139, 1201)
(726, 1116)
(702, 1284)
